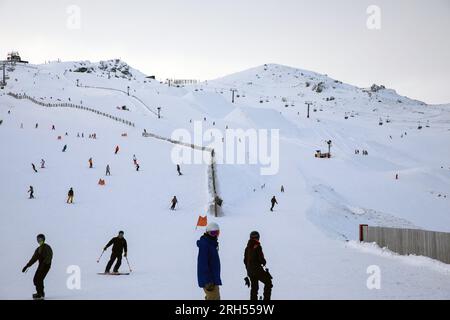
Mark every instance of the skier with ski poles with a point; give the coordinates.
(108, 170)
(119, 246)
(255, 263)
(43, 254)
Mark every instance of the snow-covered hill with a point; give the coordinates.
(310, 238)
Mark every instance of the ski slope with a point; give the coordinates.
(310, 240)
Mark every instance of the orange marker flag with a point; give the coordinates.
(202, 221)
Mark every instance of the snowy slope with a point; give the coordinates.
(309, 241)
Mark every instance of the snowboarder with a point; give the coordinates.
(91, 163)
(43, 255)
(208, 262)
(255, 262)
(282, 188)
(174, 203)
(117, 150)
(42, 164)
(108, 172)
(119, 246)
(64, 148)
(34, 167)
(179, 170)
(273, 201)
(31, 192)
(70, 195)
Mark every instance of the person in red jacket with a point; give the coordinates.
(254, 263)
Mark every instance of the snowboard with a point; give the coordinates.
(114, 273)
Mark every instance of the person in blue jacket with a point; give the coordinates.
(208, 263)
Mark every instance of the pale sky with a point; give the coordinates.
(205, 39)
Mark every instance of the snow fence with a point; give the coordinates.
(431, 244)
(70, 105)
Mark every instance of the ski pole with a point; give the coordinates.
(98, 260)
(128, 264)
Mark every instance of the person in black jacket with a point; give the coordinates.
(119, 246)
(254, 263)
(44, 255)
(273, 201)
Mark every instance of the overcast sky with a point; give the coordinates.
(205, 39)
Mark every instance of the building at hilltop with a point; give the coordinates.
(14, 57)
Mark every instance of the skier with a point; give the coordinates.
(31, 192)
(53, 127)
(44, 255)
(108, 172)
(119, 245)
(42, 164)
(70, 195)
(174, 203)
(254, 263)
(36, 126)
(117, 150)
(34, 167)
(134, 159)
(282, 188)
(179, 170)
(137, 166)
(396, 176)
(208, 262)
(90, 163)
(64, 148)
(273, 201)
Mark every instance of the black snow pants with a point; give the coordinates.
(114, 256)
(39, 277)
(265, 278)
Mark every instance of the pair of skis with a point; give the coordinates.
(114, 273)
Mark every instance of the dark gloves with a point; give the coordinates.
(247, 281)
(24, 269)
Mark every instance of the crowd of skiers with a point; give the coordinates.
(208, 263)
